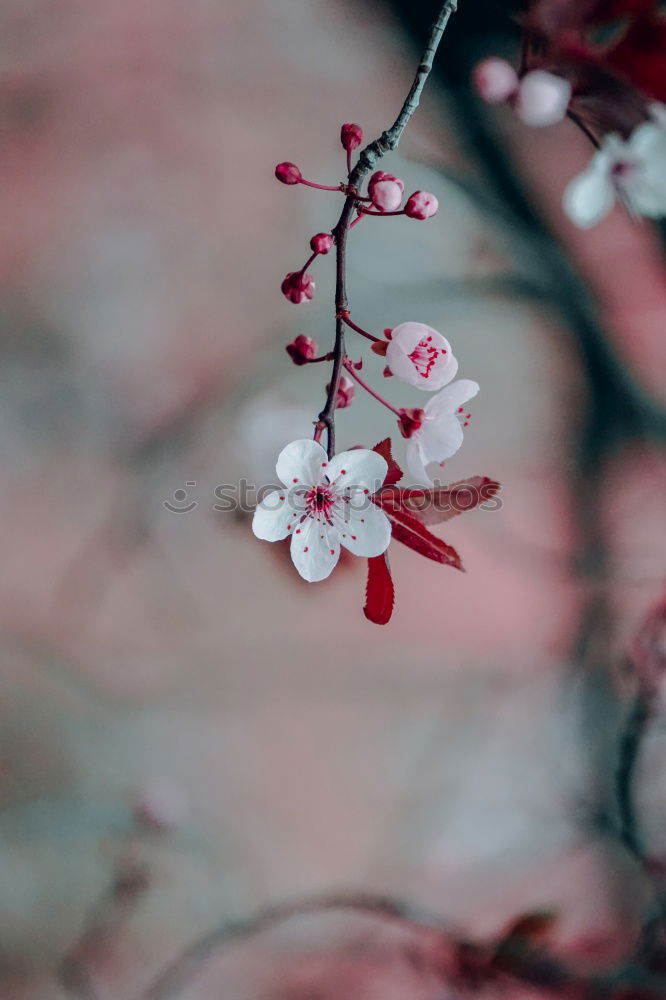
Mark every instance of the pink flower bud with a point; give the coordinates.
(421, 205)
(298, 287)
(543, 98)
(288, 173)
(302, 349)
(410, 421)
(321, 243)
(386, 191)
(495, 80)
(351, 136)
(346, 390)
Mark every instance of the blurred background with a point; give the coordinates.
(188, 733)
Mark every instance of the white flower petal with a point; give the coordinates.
(645, 187)
(406, 336)
(658, 114)
(451, 397)
(589, 197)
(315, 550)
(401, 365)
(274, 517)
(646, 140)
(441, 438)
(367, 531)
(358, 469)
(301, 462)
(416, 461)
(440, 375)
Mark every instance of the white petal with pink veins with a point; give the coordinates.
(301, 462)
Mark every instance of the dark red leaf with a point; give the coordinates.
(410, 532)
(640, 56)
(379, 593)
(439, 505)
(394, 473)
(556, 17)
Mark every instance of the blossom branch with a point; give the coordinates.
(358, 329)
(368, 157)
(364, 385)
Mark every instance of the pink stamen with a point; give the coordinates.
(424, 357)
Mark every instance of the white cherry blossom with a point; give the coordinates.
(633, 172)
(441, 433)
(421, 356)
(325, 504)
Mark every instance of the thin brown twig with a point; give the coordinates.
(578, 121)
(368, 157)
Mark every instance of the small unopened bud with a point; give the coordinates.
(298, 287)
(302, 349)
(321, 243)
(543, 98)
(495, 80)
(351, 136)
(410, 421)
(345, 394)
(288, 173)
(421, 205)
(386, 191)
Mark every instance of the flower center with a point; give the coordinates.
(425, 356)
(319, 500)
(621, 169)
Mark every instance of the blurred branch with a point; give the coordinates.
(629, 751)
(117, 903)
(189, 962)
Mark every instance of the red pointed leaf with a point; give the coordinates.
(410, 532)
(439, 505)
(394, 473)
(379, 593)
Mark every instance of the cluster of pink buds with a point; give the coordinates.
(384, 197)
(350, 499)
(615, 93)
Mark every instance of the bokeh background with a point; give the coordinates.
(188, 733)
